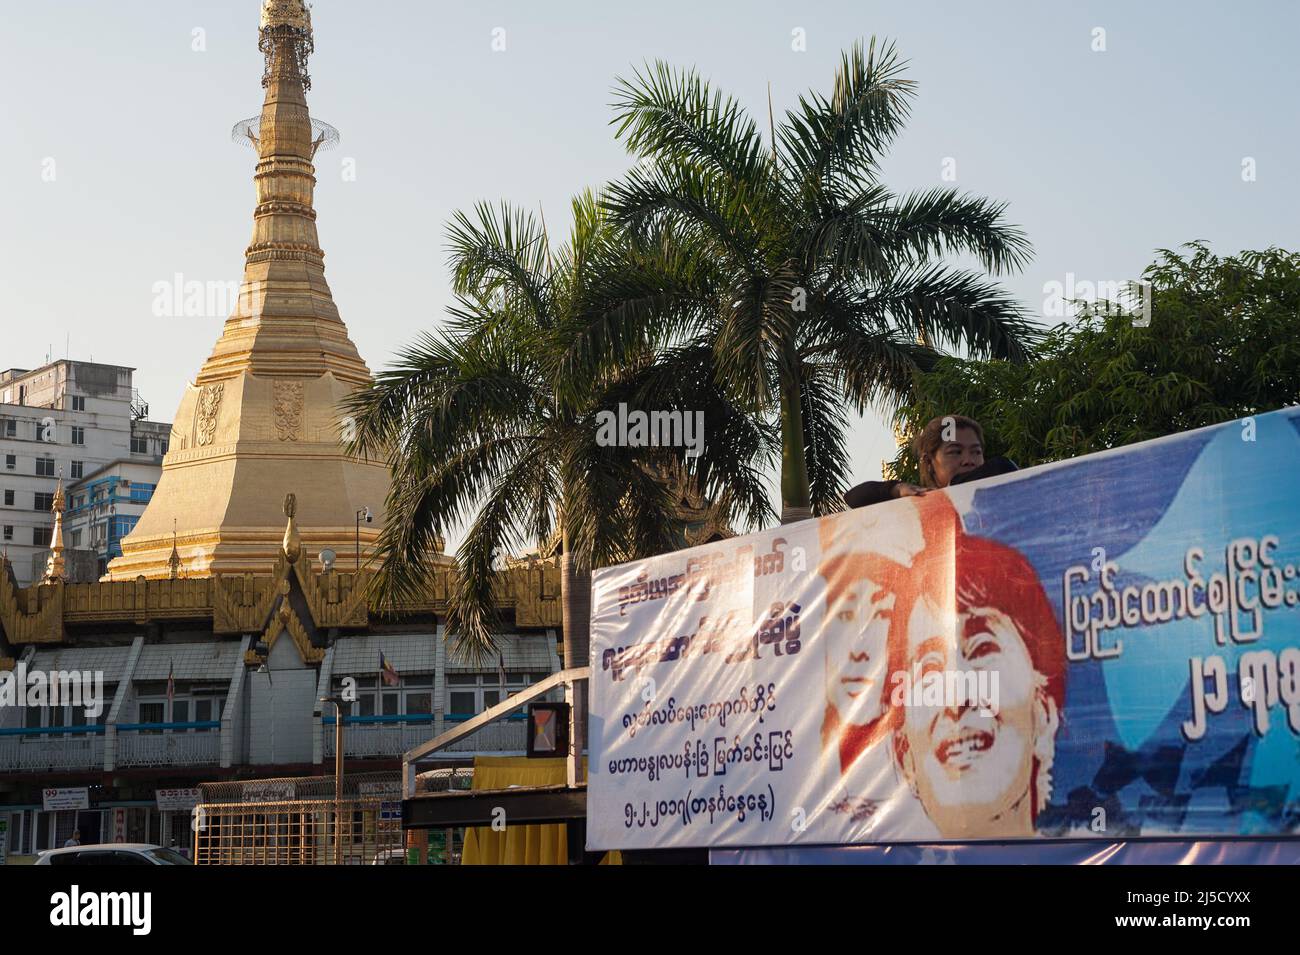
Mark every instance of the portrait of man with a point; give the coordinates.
(981, 768)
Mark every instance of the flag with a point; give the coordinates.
(388, 675)
(171, 683)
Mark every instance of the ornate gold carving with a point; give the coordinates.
(292, 545)
(34, 615)
(287, 620)
(205, 424)
(536, 589)
(287, 409)
(335, 600)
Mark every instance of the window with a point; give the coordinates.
(139, 444)
(11, 462)
(141, 493)
(76, 538)
(78, 435)
(208, 709)
(9, 532)
(11, 428)
(412, 697)
(41, 536)
(78, 403)
(164, 445)
(151, 712)
(44, 500)
(78, 469)
(469, 694)
(71, 714)
(9, 498)
(45, 467)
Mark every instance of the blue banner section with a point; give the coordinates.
(1091, 852)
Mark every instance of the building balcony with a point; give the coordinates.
(43, 750)
(393, 735)
(168, 744)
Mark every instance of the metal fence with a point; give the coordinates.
(298, 821)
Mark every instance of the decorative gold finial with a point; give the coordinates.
(174, 561)
(292, 540)
(54, 568)
(286, 13)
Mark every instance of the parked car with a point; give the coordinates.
(119, 853)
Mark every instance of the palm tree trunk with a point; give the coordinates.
(796, 497)
(575, 607)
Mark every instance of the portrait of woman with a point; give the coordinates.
(982, 771)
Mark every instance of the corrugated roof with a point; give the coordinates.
(407, 652)
(530, 652)
(416, 653)
(213, 660)
(111, 661)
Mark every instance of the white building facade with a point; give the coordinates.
(71, 420)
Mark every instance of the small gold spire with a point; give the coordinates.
(174, 561)
(54, 569)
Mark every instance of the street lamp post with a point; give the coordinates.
(338, 776)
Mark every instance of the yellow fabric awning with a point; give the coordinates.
(519, 845)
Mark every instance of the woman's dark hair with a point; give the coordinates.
(931, 439)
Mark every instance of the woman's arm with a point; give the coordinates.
(871, 492)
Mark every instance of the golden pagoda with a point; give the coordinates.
(262, 415)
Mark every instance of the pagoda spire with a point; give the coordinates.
(285, 323)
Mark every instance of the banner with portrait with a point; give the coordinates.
(1106, 647)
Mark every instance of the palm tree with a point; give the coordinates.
(815, 288)
(484, 427)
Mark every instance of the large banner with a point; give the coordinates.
(1107, 647)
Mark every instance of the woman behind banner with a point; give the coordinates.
(949, 450)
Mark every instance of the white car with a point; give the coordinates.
(107, 853)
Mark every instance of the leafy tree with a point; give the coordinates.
(1223, 342)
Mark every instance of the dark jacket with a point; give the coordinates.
(873, 492)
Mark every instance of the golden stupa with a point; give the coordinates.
(262, 417)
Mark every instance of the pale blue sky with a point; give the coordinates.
(1103, 156)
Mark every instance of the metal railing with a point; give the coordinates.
(394, 735)
(51, 748)
(168, 744)
(575, 683)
